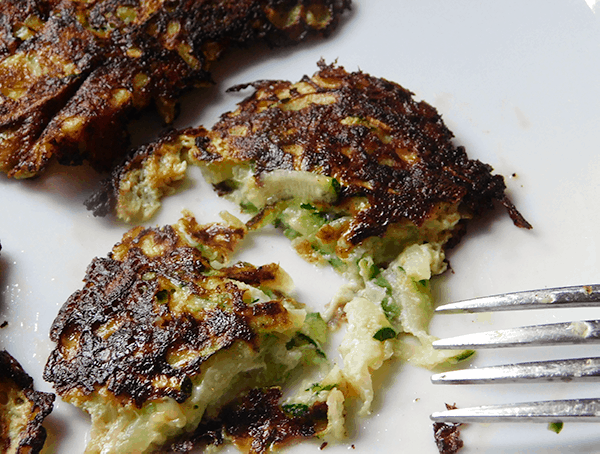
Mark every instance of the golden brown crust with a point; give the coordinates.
(72, 87)
(16, 387)
(134, 328)
(367, 133)
(35, 82)
(20, 20)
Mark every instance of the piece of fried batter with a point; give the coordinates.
(163, 332)
(72, 74)
(22, 409)
(136, 188)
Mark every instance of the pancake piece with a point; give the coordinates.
(164, 333)
(22, 409)
(135, 189)
(73, 73)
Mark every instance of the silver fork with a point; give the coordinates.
(579, 369)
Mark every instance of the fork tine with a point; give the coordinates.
(580, 410)
(587, 331)
(565, 370)
(577, 296)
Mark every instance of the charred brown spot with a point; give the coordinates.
(20, 21)
(219, 237)
(328, 234)
(269, 309)
(257, 423)
(224, 188)
(247, 273)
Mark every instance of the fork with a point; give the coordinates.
(579, 369)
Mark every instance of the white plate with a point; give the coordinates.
(517, 82)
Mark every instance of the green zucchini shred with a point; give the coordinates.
(556, 427)
(390, 309)
(315, 328)
(384, 283)
(384, 334)
(295, 410)
(317, 387)
(462, 356)
(248, 207)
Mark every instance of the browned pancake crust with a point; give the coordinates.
(96, 64)
(19, 21)
(35, 82)
(367, 133)
(120, 331)
(257, 423)
(31, 438)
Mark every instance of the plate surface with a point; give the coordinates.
(518, 84)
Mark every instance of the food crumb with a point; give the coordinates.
(447, 435)
(323, 446)
(4, 324)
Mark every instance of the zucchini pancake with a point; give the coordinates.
(358, 175)
(73, 73)
(22, 409)
(164, 333)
